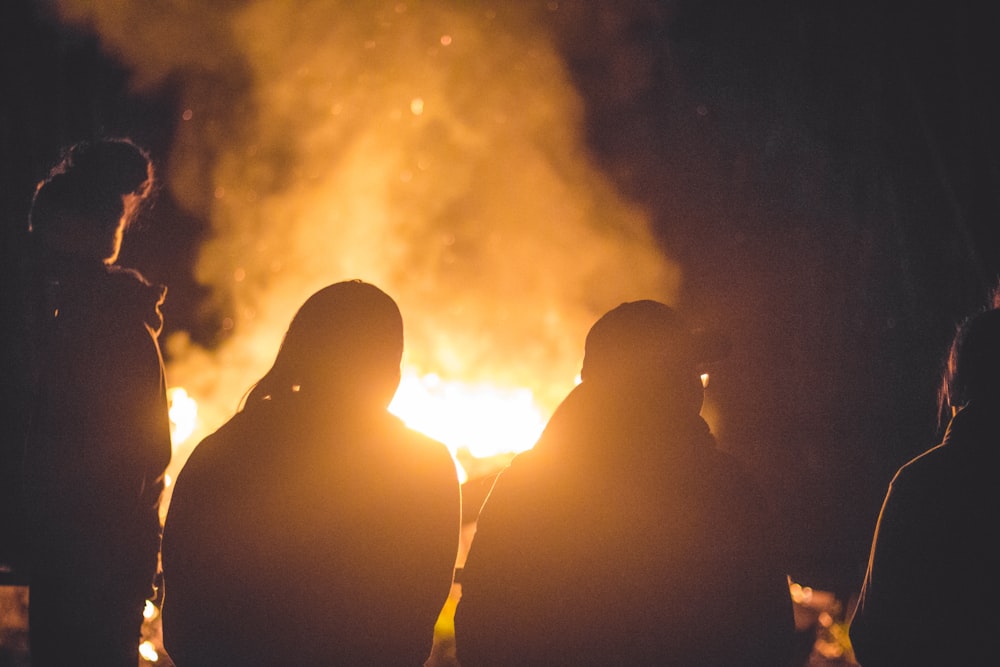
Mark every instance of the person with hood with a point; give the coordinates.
(928, 596)
(314, 527)
(626, 536)
(99, 435)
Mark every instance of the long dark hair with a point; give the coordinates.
(348, 334)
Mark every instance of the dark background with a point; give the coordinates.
(825, 173)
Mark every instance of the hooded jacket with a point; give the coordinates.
(99, 437)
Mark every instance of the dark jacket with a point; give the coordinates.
(98, 445)
(298, 536)
(99, 438)
(624, 537)
(929, 595)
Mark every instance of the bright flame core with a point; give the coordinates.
(483, 419)
(148, 652)
(183, 413)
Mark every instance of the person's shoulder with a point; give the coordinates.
(414, 439)
(209, 475)
(215, 449)
(930, 474)
(528, 469)
(414, 448)
(926, 464)
(134, 294)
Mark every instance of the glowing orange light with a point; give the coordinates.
(800, 594)
(148, 652)
(482, 419)
(183, 412)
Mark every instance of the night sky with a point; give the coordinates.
(825, 174)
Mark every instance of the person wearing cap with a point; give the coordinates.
(626, 536)
(314, 527)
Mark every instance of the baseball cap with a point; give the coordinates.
(640, 334)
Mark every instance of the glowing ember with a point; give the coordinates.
(148, 652)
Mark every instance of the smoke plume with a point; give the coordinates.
(435, 149)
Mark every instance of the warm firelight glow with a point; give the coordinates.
(482, 419)
(439, 152)
(148, 652)
(183, 412)
(485, 420)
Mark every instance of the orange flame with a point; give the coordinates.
(435, 149)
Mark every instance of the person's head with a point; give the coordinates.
(972, 372)
(647, 346)
(344, 343)
(88, 200)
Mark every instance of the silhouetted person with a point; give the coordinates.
(314, 528)
(625, 537)
(929, 595)
(99, 437)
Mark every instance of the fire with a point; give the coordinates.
(435, 149)
(484, 420)
(481, 420)
(183, 413)
(148, 652)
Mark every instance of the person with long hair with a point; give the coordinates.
(99, 434)
(929, 593)
(314, 527)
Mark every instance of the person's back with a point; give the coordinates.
(624, 537)
(933, 568)
(305, 532)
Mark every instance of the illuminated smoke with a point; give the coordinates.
(435, 149)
